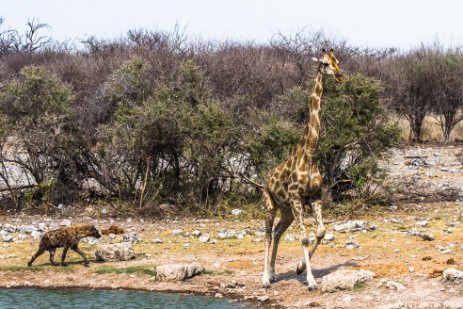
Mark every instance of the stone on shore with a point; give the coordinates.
(345, 280)
(115, 252)
(178, 272)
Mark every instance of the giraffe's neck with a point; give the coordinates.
(309, 141)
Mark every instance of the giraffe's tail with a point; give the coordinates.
(254, 183)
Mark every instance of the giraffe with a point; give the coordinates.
(294, 186)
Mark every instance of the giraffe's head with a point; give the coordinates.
(329, 65)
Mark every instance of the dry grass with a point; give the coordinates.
(432, 131)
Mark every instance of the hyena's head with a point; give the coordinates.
(94, 232)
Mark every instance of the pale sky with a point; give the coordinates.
(366, 23)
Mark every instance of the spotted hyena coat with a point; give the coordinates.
(67, 237)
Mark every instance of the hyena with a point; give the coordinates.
(67, 237)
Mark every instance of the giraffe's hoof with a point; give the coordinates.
(312, 287)
(300, 268)
(266, 286)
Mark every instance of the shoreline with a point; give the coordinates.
(156, 287)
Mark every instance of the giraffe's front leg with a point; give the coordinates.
(269, 220)
(285, 221)
(320, 232)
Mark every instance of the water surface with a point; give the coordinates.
(114, 299)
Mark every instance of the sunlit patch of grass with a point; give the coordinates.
(140, 269)
(209, 272)
(20, 268)
(57, 269)
(360, 286)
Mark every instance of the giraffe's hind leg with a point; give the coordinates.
(297, 207)
(270, 213)
(285, 221)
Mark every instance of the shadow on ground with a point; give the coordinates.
(318, 273)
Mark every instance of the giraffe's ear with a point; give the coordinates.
(315, 59)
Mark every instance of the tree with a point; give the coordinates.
(355, 130)
(416, 88)
(449, 91)
(35, 109)
(11, 41)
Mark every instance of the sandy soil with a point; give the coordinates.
(234, 266)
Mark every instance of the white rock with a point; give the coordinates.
(263, 298)
(351, 244)
(345, 279)
(204, 238)
(9, 228)
(454, 303)
(428, 237)
(413, 232)
(290, 237)
(157, 241)
(91, 241)
(65, 222)
(115, 252)
(36, 235)
(453, 223)
(422, 223)
(27, 229)
(130, 237)
(7, 236)
(236, 212)
(178, 272)
(196, 233)
(392, 285)
(227, 234)
(453, 275)
(177, 232)
(351, 225)
(329, 237)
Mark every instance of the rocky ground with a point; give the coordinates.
(407, 255)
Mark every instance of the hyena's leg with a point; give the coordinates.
(63, 256)
(36, 255)
(76, 249)
(52, 251)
